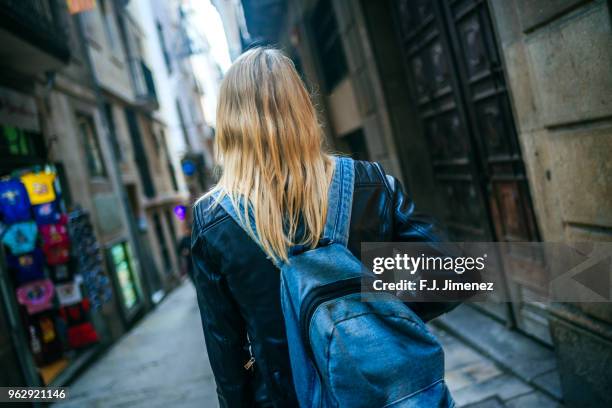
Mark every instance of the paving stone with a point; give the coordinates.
(456, 353)
(488, 403)
(550, 382)
(511, 350)
(532, 400)
(470, 375)
(503, 387)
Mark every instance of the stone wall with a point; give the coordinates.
(558, 56)
(557, 59)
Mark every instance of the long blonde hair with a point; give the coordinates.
(270, 147)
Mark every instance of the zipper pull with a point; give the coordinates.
(249, 364)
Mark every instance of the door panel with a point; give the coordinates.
(487, 103)
(443, 118)
(454, 67)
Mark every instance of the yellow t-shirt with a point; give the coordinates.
(40, 187)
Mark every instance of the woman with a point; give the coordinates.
(269, 145)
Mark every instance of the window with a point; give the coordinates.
(93, 154)
(122, 262)
(171, 172)
(140, 156)
(162, 43)
(60, 171)
(110, 120)
(109, 26)
(163, 244)
(155, 142)
(170, 220)
(14, 142)
(328, 44)
(179, 111)
(357, 144)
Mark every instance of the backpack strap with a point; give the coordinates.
(340, 202)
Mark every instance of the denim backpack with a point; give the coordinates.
(346, 352)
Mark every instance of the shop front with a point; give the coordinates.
(52, 277)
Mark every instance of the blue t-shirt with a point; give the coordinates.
(47, 213)
(20, 238)
(28, 267)
(14, 201)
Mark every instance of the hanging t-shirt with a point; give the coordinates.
(62, 272)
(57, 253)
(40, 187)
(20, 238)
(14, 201)
(82, 335)
(53, 234)
(81, 331)
(68, 293)
(28, 266)
(56, 243)
(47, 213)
(36, 296)
(44, 338)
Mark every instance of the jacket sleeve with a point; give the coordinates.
(224, 328)
(410, 226)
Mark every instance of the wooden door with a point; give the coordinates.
(461, 99)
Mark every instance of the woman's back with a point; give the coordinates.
(239, 287)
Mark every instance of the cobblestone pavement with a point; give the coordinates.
(476, 382)
(162, 362)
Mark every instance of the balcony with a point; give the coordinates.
(34, 35)
(144, 85)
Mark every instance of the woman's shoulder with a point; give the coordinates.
(207, 212)
(367, 172)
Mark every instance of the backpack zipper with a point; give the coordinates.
(249, 364)
(320, 295)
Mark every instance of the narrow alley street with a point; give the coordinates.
(162, 362)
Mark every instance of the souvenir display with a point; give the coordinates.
(44, 338)
(57, 253)
(89, 259)
(82, 335)
(20, 238)
(81, 331)
(36, 296)
(39, 187)
(62, 272)
(68, 293)
(54, 233)
(14, 201)
(47, 213)
(27, 267)
(52, 287)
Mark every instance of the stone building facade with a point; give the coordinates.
(64, 130)
(78, 98)
(121, 64)
(181, 93)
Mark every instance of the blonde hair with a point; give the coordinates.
(270, 147)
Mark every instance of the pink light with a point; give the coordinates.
(180, 212)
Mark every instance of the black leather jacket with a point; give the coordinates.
(238, 288)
